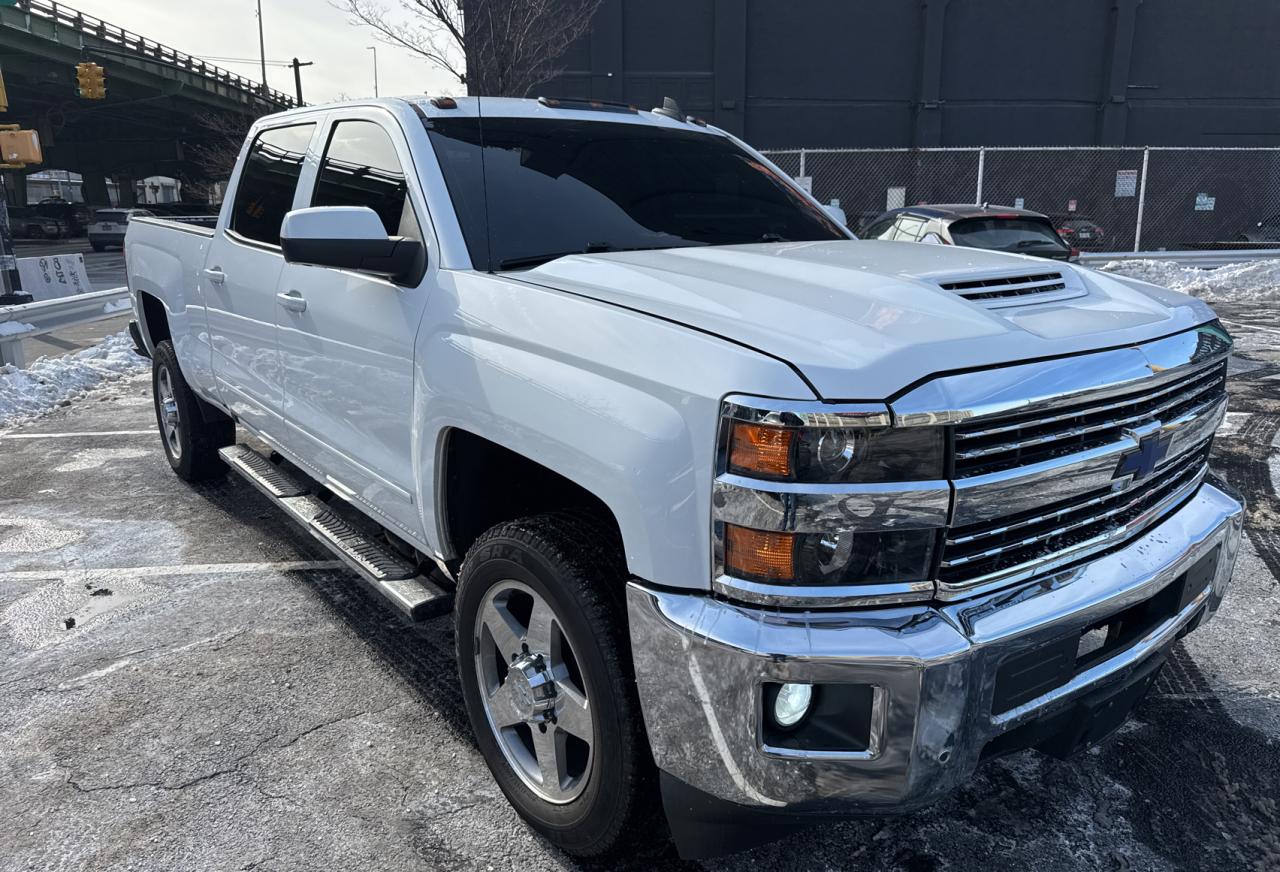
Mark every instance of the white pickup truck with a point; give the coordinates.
(737, 516)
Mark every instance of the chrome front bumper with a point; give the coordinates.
(701, 662)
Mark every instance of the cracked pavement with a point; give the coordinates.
(240, 702)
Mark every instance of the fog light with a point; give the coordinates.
(792, 704)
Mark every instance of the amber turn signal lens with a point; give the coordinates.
(758, 449)
(759, 554)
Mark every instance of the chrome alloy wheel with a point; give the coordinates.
(533, 692)
(169, 418)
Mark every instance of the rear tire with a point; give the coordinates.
(191, 430)
(570, 570)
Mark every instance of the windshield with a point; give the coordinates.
(528, 190)
(1007, 234)
(109, 215)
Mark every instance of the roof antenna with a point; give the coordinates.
(670, 108)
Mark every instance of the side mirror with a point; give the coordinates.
(349, 237)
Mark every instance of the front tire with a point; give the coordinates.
(190, 430)
(545, 664)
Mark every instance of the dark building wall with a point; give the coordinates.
(945, 72)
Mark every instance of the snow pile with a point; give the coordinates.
(1254, 280)
(13, 328)
(54, 381)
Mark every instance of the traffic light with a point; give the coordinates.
(92, 80)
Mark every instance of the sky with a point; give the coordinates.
(311, 30)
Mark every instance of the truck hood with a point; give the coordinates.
(861, 320)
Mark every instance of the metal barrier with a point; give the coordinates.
(1129, 199)
(18, 323)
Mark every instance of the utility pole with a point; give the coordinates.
(297, 76)
(374, 49)
(262, 50)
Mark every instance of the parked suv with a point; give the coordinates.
(109, 225)
(738, 518)
(998, 228)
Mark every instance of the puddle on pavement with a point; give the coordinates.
(85, 599)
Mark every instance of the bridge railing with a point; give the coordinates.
(88, 25)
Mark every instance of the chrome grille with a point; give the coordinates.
(1057, 533)
(1010, 442)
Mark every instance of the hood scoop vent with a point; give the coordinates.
(1001, 291)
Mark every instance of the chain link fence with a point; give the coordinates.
(1103, 199)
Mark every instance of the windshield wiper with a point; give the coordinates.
(592, 248)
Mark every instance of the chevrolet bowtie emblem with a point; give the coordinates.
(1141, 461)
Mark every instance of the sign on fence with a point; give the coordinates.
(1126, 183)
(1204, 203)
(59, 275)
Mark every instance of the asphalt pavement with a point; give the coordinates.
(228, 698)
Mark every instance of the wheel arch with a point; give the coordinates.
(481, 483)
(153, 320)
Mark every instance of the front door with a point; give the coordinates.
(240, 275)
(347, 338)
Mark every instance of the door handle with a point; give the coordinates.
(215, 275)
(293, 301)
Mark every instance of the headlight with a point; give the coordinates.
(829, 559)
(825, 447)
(818, 503)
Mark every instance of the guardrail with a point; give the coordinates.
(1208, 259)
(18, 323)
(148, 49)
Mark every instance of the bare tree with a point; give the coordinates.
(215, 148)
(497, 48)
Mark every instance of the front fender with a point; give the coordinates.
(623, 404)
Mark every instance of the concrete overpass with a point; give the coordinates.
(150, 123)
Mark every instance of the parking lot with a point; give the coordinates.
(188, 683)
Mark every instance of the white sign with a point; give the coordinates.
(57, 275)
(1071, 205)
(1126, 183)
(895, 198)
(1019, 203)
(1204, 203)
(805, 182)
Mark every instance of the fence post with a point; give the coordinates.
(982, 164)
(802, 161)
(1142, 200)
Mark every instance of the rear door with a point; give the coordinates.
(347, 338)
(240, 275)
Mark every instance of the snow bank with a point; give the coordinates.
(54, 381)
(1255, 280)
(13, 328)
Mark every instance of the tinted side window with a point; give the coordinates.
(360, 168)
(268, 182)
